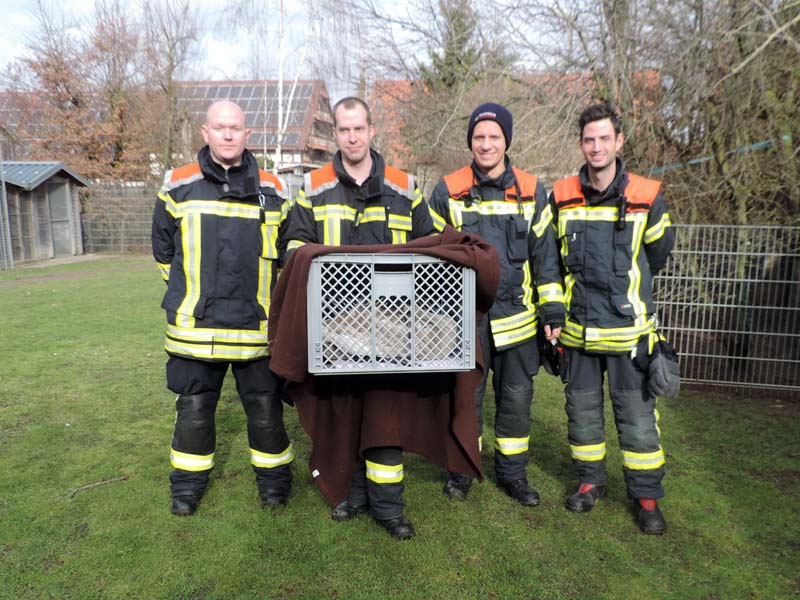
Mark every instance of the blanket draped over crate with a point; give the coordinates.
(430, 414)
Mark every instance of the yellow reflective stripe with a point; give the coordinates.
(658, 418)
(215, 351)
(399, 222)
(417, 198)
(619, 339)
(302, 200)
(527, 287)
(285, 208)
(588, 453)
(544, 220)
(384, 473)
(223, 209)
(269, 241)
(169, 204)
(550, 292)
(569, 284)
(270, 461)
(209, 334)
(509, 446)
(191, 462)
(266, 269)
(480, 443)
(338, 211)
(399, 236)
(635, 276)
(514, 321)
(372, 214)
(657, 231)
(438, 222)
(294, 244)
(593, 213)
(507, 338)
(642, 461)
(163, 270)
(190, 241)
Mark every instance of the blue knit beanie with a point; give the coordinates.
(491, 112)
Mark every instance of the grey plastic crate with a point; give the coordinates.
(389, 313)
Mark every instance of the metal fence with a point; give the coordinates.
(117, 217)
(729, 300)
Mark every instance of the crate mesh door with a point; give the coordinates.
(388, 314)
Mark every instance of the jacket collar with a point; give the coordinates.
(372, 187)
(241, 180)
(505, 180)
(614, 190)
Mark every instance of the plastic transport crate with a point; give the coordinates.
(389, 313)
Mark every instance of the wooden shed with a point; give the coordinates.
(42, 210)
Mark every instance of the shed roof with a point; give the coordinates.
(29, 174)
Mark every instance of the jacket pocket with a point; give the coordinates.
(517, 238)
(470, 221)
(623, 306)
(173, 302)
(573, 246)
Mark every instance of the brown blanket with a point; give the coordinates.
(431, 414)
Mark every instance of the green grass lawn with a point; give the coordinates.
(82, 401)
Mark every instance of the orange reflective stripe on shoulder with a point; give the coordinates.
(398, 178)
(266, 176)
(179, 176)
(641, 192)
(459, 183)
(527, 184)
(318, 177)
(568, 191)
(185, 172)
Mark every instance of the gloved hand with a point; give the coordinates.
(663, 375)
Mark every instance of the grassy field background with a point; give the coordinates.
(82, 401)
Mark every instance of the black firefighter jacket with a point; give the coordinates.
(332, 209)
(215, 240)
(511, 213)
(612, 243)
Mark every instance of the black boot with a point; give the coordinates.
(344, 511)
(584, 499)
(400, 528)
(184, 506)
(457, 486)
(520, 491)
(649, 516)
(187, 489)
(274, 485)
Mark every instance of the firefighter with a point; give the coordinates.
(357, 199)
(615, 234)
(508, 208)
(215, 233)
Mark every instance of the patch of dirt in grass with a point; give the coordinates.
(786, 480)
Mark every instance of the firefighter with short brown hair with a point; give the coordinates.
(357, 199)
(615, 234)
(508, 208)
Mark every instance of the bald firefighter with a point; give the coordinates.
(215, 234)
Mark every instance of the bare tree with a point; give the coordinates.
(172, 32)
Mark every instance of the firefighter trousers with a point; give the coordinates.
(379, 483)
(198, 384)
(635, 416)
(512, 381)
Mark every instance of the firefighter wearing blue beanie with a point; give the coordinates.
(491, 112)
